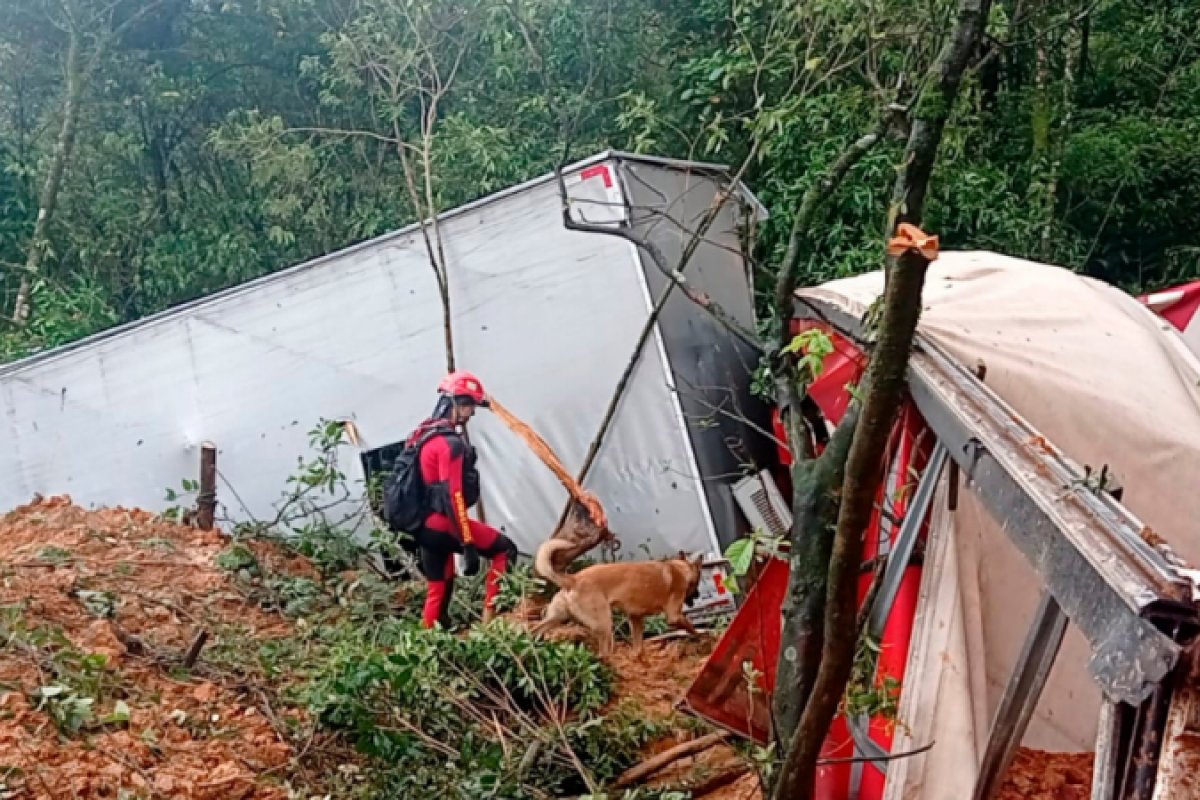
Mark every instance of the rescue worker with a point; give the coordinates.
(447, 464)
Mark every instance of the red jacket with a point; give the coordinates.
(448, 472)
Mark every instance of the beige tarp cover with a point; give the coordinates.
(1109, 383)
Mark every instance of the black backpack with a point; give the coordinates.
(405, 499)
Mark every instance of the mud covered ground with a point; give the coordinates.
(98, 610)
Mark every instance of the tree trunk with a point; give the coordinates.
(884, 386)
(426, 213)
(813, 482)
(933, 110)
(814, 509)
(63, 150)
(885, 381)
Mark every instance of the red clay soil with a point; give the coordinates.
(134, 589)
(657, 678)
(660, 675)
(1040, 775)
(186, 737)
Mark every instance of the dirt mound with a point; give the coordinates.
(1041, 775)
(661, 673)
(657, 678)
(97, 609)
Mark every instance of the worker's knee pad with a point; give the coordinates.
(432, 563)
(510, 548)
(501, 544)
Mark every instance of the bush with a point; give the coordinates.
(488, 714)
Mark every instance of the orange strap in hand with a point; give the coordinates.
(910, 237)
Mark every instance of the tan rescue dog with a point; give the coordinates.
(637, 588)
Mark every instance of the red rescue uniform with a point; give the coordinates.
(447, 470)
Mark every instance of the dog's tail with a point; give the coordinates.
(543, 563)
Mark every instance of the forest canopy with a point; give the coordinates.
(176, 147)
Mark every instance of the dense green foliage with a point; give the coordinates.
(478, 711)
(218, 141)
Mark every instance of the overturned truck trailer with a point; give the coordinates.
(1037, 518)
(547, 317)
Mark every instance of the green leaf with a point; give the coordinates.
(740, 555)
(120, 713)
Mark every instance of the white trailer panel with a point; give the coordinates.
(548, 318)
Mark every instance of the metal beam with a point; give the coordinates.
(1021, 695)
(1141, 771)
(1179, 758)
(897, 562)
(1105, 771)
(906, 541)
(1085, 546)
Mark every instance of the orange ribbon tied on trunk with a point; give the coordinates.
(910, 237)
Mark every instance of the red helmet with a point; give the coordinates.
(464, 384)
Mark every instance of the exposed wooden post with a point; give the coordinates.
(193, 653)
(206, 500)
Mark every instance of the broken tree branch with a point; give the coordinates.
(669, 756)
(193, 653)
(650, 248)
(883, 386)
(885, 381)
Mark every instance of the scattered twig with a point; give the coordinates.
(193, 653)
(269, 712)
(877, 759)
(531, 756)
(167, 604)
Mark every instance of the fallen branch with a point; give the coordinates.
(876, 759)
(650, 248)
(669, 756)
(717, 780)
(685, 258)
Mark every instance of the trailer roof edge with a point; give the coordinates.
(34, 359)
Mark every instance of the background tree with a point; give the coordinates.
(1074, 141)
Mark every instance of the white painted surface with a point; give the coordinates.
(546, 317)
